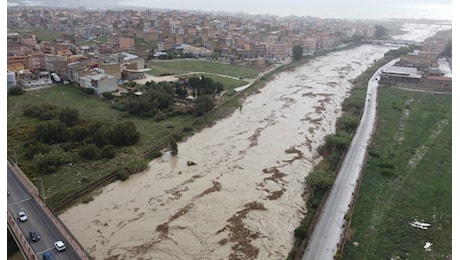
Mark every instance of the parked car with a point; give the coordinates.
(59, 245)
(22, 216)
(34, 235)
(48, 256)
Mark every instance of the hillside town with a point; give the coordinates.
(102, 49)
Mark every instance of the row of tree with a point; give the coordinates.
(63, 137)
(157, 99)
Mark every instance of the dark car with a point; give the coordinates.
(48, 256)
(34, 235)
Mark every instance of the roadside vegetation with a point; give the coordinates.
(407, 178)
(321, 179)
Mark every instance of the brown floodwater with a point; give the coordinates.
(245, 195)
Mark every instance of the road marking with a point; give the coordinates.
(17, 202)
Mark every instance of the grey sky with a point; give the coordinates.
(361, 9)
(349, 9)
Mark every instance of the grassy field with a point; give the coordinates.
(74, 178)
(408, 177)
(40, 34)
(187, 66)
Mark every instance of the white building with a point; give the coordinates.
(101, 83)
(11, 79)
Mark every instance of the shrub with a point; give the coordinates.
(16, 91)
(89, 152)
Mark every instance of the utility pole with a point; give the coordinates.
(43, 190)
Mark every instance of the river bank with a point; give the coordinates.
(244, 197)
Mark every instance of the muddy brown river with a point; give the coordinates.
(245, 195)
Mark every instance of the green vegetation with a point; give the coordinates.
(64, 155)
(188, 66)
(407, 178)
(40, 34)
(76, 175)
(297, 52)
(334, 149)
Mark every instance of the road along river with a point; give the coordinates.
(244, 197)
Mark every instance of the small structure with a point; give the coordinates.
(11, 79)
(101, 83)
(29, 79)
(395, 74)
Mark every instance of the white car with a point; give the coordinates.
(22, 216)
(59, 245)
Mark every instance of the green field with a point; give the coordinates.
(187, 66)
(74, 178)
(40, 34)
(408, 177)
(71, 179)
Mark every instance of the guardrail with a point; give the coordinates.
(57, 222)
(20, 239)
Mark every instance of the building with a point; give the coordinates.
(399, 75)
(100, 83)
(29, 40)
(29, 79)
(435, 44)
(113, 69)
(125, 43)
(11, 79)
(279, 50)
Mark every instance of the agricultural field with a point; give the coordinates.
(188, 66)
(40, 34)
(407, 181)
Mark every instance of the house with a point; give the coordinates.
(399, 75)
(11, 79)
(29, 79)
(196, 51)
(99, 82)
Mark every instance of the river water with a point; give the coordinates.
(245, 195)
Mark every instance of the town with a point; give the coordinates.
(105, 48)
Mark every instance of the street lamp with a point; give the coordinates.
(43, 190)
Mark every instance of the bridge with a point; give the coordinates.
(394, 42)
(24, 196)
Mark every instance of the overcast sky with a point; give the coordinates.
(342, 9)
(361, 9)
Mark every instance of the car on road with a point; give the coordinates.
(34, 235)
(22, 216)
(48, 256)
(59, 245)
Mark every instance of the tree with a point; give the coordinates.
(380, 32)
(16, 91)
(69, 116)
(51, 161)
(124, 133)
(297, 52)
(173, 146)
(51, 132)
(318, 180)
(203, 104)
(89, 152)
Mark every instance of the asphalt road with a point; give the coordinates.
(326, 234)
(21, 199)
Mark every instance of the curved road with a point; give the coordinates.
(20, 198)
(326, 234)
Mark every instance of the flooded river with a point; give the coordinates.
(245, 195)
